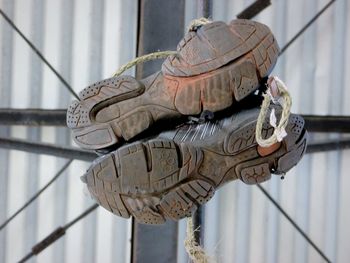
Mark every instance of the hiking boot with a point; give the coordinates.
(217, 65)
(169, 176)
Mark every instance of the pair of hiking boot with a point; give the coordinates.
(161, 166)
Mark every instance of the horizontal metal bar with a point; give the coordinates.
(313, 123)
(33, 117)
(328, 145)
(83, 155)
(318, 123)
(48, 149)
(254, 9)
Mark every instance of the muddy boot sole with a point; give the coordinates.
(119, 108)
(169, 177)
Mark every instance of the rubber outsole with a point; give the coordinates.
(165, 178)
(120, 108)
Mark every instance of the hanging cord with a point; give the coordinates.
(143, 59)
(278, 94)
(196, 253)
(194, 250)
(67, 85)
(196, 23)
(283, 98)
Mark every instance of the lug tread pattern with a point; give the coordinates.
(120, 189)
(103, 183)
(81, 115)
(185, 199)
(217, 44)
(164, 179)
(121, 108)
(244, 137)
(256, 174)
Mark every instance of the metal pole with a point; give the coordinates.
(204, 10)
(161, 26)
(88, 156)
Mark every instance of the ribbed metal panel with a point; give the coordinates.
(241, 224)
(87, 40)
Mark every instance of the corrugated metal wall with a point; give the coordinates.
(87, 40)
(241, 224)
